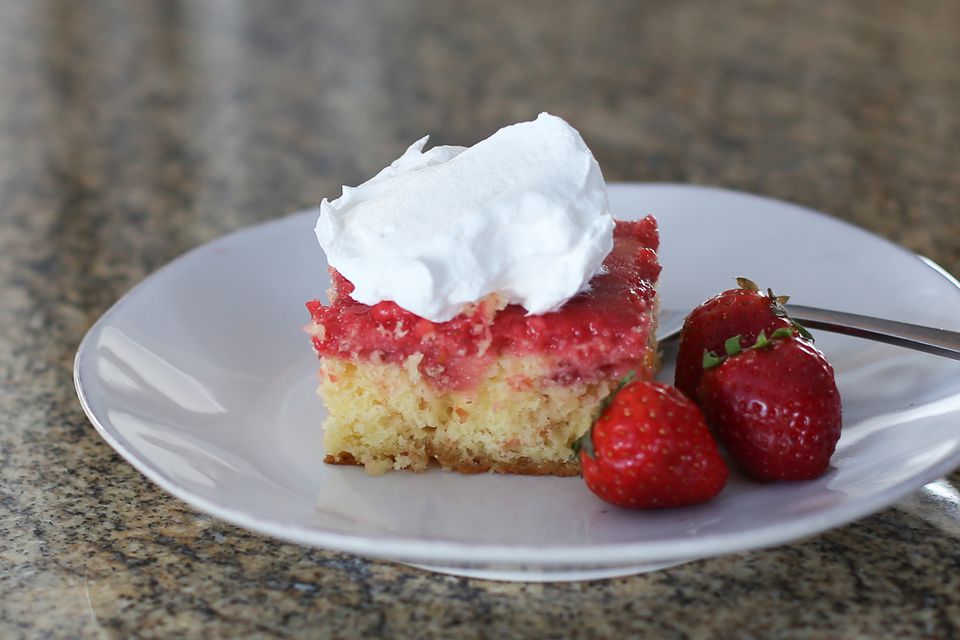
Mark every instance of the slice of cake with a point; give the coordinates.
(493, 389)
(483, 303)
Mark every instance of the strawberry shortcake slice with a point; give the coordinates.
(483, 303)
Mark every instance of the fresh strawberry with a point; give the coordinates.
(650, 448)
(775, 406)
(745, 311)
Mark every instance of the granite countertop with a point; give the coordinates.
(131, 132)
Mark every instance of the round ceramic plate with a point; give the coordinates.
(202, 378)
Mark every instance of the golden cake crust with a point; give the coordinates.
(451, 460)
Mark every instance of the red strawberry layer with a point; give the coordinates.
(601, 332)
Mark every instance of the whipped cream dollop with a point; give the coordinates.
(522, 214)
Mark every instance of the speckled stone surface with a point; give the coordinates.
(131, 132)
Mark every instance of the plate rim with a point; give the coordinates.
(424, 551)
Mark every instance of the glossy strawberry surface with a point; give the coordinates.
(777, 410)
(651, 448)
(742, 312)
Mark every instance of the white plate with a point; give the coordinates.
(202, 379)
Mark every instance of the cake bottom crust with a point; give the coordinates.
(453, 461)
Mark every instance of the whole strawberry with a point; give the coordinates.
(650, 448)
(745, 312)
(775, 406)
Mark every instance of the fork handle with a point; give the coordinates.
(939, 342)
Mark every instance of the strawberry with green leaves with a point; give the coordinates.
(650, 448)
(744, 312)
(775, 406)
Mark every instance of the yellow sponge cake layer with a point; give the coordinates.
(516, 420)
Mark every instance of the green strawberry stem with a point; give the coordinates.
(732, 346)
(778, 308)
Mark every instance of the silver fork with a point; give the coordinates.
(941, 342)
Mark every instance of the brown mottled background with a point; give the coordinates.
(133, 131)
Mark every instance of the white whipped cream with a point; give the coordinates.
(522, 214)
